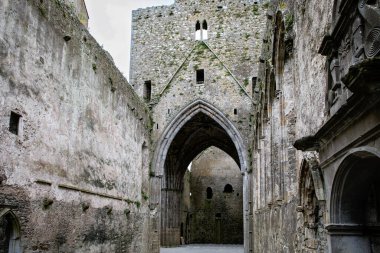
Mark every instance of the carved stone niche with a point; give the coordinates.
(353, 47)
(311, 235)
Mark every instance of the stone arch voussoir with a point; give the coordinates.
(180, 120)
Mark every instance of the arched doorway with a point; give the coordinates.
(9, 232)
(196, 128)
(355, 203)
(216, 199)
(311, 235)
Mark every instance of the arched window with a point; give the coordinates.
(198, 32)
(201, 32)
(198, 26)
(204, 30)
(228, 188)
(209, 193)
(204, 25)
(311, 205)
(9, 232)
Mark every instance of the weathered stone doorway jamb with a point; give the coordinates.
(161, 151)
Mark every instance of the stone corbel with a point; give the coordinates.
(307, 143)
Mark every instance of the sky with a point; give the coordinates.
(110, 24)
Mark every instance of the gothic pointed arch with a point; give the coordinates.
(197, 26)
(311, 235)
(204, 25)
(199, 107)
(198, 31)
(10, 232)
(197, 127)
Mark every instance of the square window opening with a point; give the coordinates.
(147, 91)
(200, 76)
(15, 123)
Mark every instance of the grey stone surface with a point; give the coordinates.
(229, 59)
(82, 139)
(204, 248)
(86, 166)
(220, 218)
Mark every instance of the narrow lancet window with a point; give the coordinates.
(147, 91)
(15, 123)
(209, 193)
(204, 30)
(200, 76)
(198, 32)
(201, 30)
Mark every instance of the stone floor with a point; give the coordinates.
(205, 248)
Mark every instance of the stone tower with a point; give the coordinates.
(194, 63)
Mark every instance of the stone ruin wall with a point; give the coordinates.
(164, 51)
(76, 175)
(162, 37)
(291, 104)
(71, 97)
(218, 219)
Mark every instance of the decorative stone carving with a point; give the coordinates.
(353, 49)
(307, 143)
(370, 12)
(336, 84)
(357, 42)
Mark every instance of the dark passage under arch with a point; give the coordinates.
(9, 233)
(355, 205)
(196, 135)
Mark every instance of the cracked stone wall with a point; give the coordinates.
(76, 173)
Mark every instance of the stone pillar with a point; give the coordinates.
(155, 218)
(246, 194)
(170, 221)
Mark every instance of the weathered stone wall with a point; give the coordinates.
(166, 53)
(80, 9)
(76, 174)
(219, 83)
(291, 96)
(218, 219)
(163, 37)
(229, 58)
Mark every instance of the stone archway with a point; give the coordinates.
(197, 127)
(355, 203)
(9, 232)
(311, 235)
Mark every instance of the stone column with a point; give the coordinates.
(170, 221)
